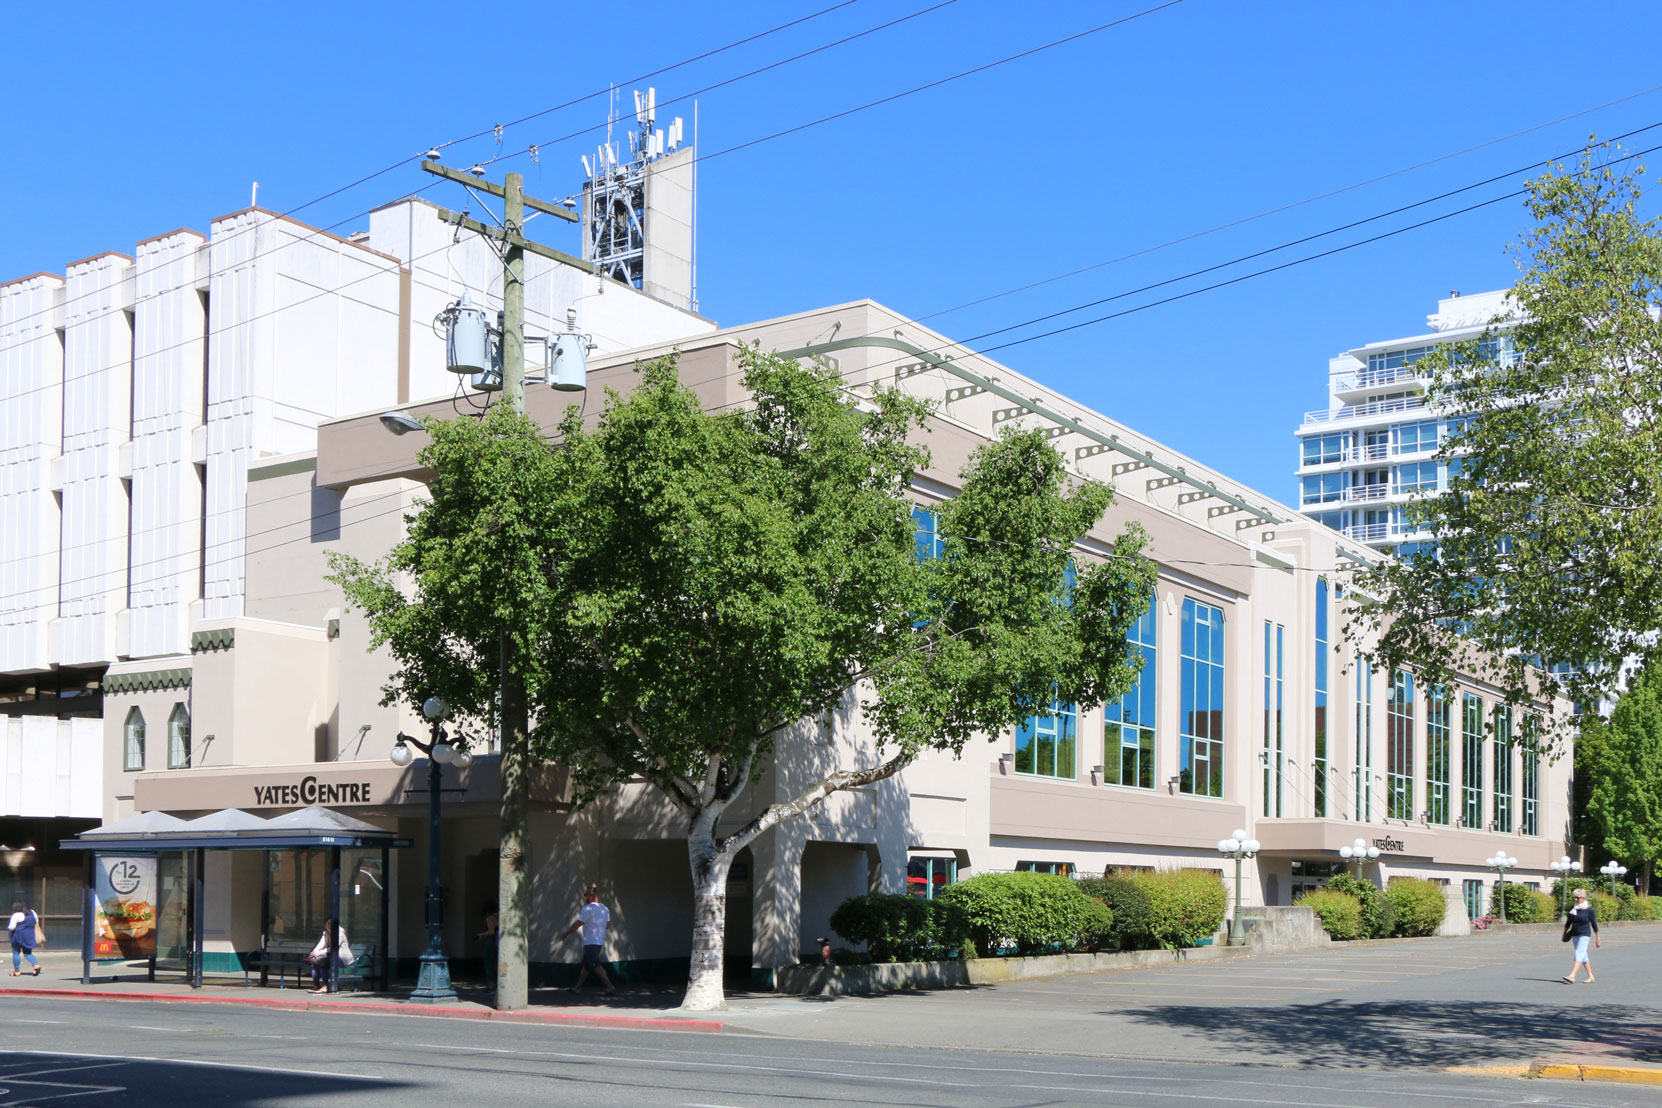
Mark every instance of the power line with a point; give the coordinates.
(1291, 206)
(416, 158)
(962, 344)
(701, 158)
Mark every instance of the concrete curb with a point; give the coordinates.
(1575, 1071)
(637, 1023)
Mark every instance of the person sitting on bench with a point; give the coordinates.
(318, 959)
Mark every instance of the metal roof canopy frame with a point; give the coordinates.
(1108, 441)
(151, 834)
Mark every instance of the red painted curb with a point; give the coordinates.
(639, 1023)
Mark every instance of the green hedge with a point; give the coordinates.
(896, 927)
(1340, 913)
(1605, 906)
(1650, 907)
(1133, 915)
(1418, 904)
(1523, 904)
(1185, 905)
(1037, 913)
(1378, 917)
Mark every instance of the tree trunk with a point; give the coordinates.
(709, 875)
(513, 887)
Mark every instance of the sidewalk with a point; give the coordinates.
(641, 1008)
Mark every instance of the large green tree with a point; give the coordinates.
(1620, 764)
(1550, 531)
(693, 585)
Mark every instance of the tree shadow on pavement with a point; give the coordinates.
(1391, 1035)
(27, 1077)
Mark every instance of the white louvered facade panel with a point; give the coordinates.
(97, 411)
(168, 407)
(31, 409)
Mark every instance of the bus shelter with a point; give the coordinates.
(146, 891)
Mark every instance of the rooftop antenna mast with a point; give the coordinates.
(618, 195)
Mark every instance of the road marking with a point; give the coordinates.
(1259, 988)
(286, 1070)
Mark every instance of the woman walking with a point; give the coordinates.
(22, 925)
(1582, 924)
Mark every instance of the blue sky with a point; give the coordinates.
(123, 125)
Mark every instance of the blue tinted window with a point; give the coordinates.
(1128, 723)
(1201, 720)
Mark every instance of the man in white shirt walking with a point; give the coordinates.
(592, 920)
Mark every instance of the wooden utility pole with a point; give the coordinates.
(513, 853)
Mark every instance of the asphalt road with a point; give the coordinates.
(131, 1054)
(1413, 1005)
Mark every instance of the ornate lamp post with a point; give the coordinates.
(1238, 847)
(1500, 863)
(1564, 867)
(1613, 870)
(433, 980)
(1362, 852)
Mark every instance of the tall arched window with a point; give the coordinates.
(132, 731)
(178, 738)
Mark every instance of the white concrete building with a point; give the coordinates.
(1368, 453)
(137, 392)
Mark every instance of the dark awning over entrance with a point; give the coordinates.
(233, 829)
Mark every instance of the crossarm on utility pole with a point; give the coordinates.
(498, 191)
(501, 235)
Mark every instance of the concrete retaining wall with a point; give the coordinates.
(895, 976)
(1283, 929)
(1455, 921)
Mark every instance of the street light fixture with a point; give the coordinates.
(433, 979)
(1362, 852)
(399, 423)
(1238, 847)
(1613, 870)
(1500, 863)
(1564, 867)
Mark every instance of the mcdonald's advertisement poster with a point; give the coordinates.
(126, 892)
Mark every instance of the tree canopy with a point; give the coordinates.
(1620, 762)
(689, 585)
(1549, 534)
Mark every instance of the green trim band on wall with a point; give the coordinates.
(148, 681)
(282, 469)
(219, 638)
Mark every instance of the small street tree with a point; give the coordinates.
(704, 581)
(1621, 763)
(1549, 535)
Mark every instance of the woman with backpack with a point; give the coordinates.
(24, 927)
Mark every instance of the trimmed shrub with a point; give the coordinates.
(1605, 906)
(1037, 913)
(1133, 916)
(1418, 904)
(899, 928)
(1522, 905)
(1340, 913)
(1650, 906)
(1185, 905)
(1378, 917)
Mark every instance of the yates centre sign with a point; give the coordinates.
(309, 790)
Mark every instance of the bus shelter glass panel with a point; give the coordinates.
(363, 893)
(172, 911)
(299, 895)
